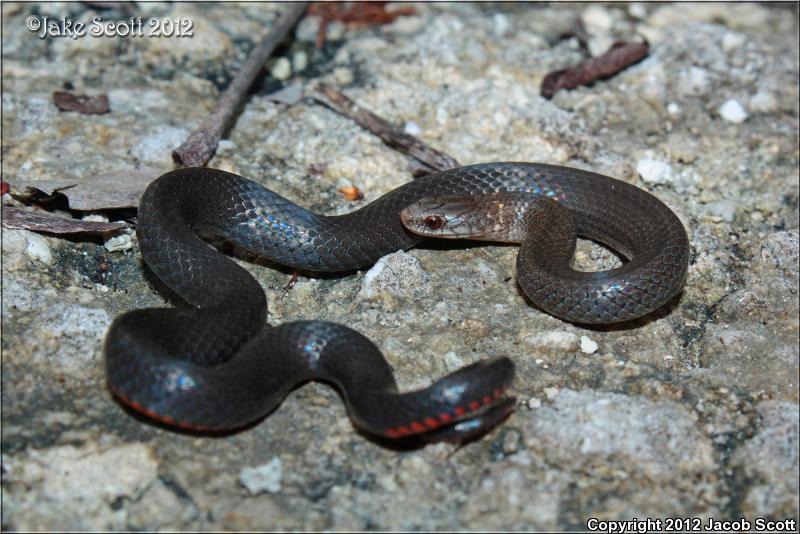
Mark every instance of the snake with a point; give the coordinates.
(215, 365)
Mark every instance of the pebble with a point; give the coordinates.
(599, 45)
(412, 128)
(654, 171)
(308, 28)
(121, 242)
(395, 274)
(597, 19)
(732, 111)
(335, 31)
(299, 60)
(343, 75)
(673, 108)
(551, 393)
(500, 24)
(588, 346)
(266, 477)
(38, 249)
(637, 10)
(282, 69)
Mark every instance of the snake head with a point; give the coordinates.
(449, 217)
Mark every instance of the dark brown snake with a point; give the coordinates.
(214, 365)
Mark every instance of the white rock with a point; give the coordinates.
(597, 19)
(654, 171)
(299, 60)
(732, 111)
(673, 108)
(282, 69)
(95, 217)
(588, 346)
(335, 31)
(551, 393)
(412, 128)
(599, 45)
(38, 249)
(343, 75)
(308, 28)
(119, 243)
(500, 24)
(637, 10)
(399, 274)
(266, 477)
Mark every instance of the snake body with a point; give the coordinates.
(215, 366)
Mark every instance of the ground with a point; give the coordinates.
(689, 412)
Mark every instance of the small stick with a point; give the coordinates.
(620, 56)
(402, 141)
(198, 149)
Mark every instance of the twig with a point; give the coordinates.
(198, 149)
(620, 56)
(402, 141)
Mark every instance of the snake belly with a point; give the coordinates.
(214, 365)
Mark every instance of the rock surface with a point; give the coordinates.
(691, 412)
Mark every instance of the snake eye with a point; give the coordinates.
(434, 222)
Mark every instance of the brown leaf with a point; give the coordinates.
(355, 14)
(106, 191)
(19, 218)
(89, 105)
